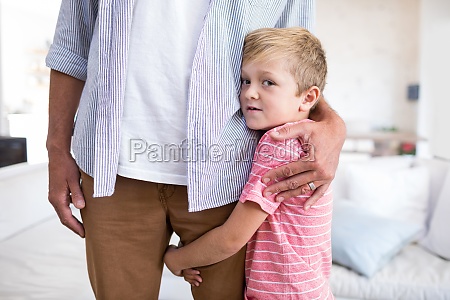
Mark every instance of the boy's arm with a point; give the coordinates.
(327, 136)
(219, 243)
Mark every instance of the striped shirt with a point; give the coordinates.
(289, 256)
(219, 145)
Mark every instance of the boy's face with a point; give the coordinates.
(269, 95)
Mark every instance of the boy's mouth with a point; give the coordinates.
(252, 108)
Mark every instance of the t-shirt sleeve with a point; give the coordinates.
(269, 155)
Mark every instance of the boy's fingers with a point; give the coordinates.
(188, 272)
(194, 280)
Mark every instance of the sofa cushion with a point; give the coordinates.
(438, 170)
(400, 194)
(437, 239)
(23, 198)
(364, 241)
(413, 274)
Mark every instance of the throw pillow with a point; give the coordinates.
(383, 163)
(400, 194)
(365, 242)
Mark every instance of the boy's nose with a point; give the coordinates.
(252, 93)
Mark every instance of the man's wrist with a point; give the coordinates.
(324, 113)
(57, 147)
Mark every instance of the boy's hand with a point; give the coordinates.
(319, 170)
(192, 276)
(169, 263)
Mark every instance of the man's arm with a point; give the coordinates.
(327, 136)
(64, 176)
(67, 58)
(219, 243)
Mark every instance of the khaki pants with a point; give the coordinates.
(127, 234)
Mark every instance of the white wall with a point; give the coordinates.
(3, 129)
(434, 120)
(27, 28)
(372, 49)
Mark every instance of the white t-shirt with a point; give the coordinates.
(163, 41)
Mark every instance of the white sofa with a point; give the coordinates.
(40, 259)
(388, 190)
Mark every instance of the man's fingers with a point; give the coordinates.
(303, 189)
(287, 171)
(64, 188)
(290, 183)
(61, 199)
(318, 193)
(292, 131)
(68, 220)
(76, 194)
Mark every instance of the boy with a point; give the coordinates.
(289, 248)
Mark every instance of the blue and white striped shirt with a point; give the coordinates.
(220, 146)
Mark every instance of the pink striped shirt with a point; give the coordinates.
(289, 257)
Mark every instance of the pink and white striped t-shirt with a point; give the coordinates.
(289, 257)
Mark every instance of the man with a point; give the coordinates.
(138, 74)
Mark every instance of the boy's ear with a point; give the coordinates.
(309, 98)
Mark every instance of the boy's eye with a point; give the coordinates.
(268, 83)
(245, 81)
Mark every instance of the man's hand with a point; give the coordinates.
(64, 189)
(64, 175)
(327, 137)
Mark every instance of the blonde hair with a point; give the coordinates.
(301, 51)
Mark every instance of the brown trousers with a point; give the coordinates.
(128, 232)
